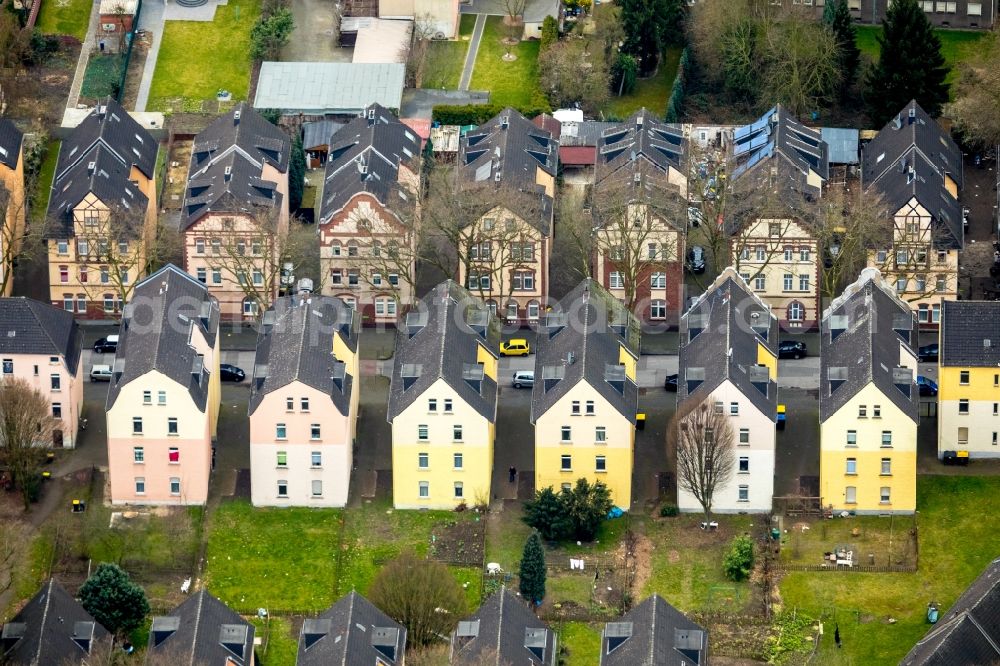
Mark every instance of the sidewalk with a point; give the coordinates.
(81, 64)
(470, 56)
(152, 21)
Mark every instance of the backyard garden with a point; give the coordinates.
(65, 17)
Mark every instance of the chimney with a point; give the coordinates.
(90, 168)
(912, 116)
(236, 117)
(229, 173)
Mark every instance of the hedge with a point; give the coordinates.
(476, 114)
(676, 102)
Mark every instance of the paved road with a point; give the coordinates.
(152, 20)
(470, 56)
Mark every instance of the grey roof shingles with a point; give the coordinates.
(345, 633)
(196, 638)
(592, 333)
(733, 321)
(970, 334)
(876, 332)
(295, 343)
(329, 87)
(28, 326)
(443, 347)
(502, 625)
(641, 138)
(155, 331)
(10, 143)
(319, 133)
(655, 634)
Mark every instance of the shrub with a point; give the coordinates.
(576, 513)
(532, 574)
(477, 114)
(422, 595)
(668, 511)
(114, 600)
(739, 559)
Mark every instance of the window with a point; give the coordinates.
(803, 282)
(282, 488)
(760, 253)
(447, 405)
(744, 435)
(216, 276)
(975, 9)
(62, 246)
(84, 274)
(575, 408)
(774, 229)
(787, 282)
(422, 434)
(590, 408)
(963, 377)
(258, 277)
(744, 494)
(459, 490)
(394, 279)
(147, 397)
(304, 402)
(658, 309)
(457, 461)
(314, 431)
(68, 302)
(600, 435)
(566, 433)
(745, 277)
(651, 250)
(744, 465)
(456, 432)
(617, 280)
(734, 409)
(105, 275)
(352, 248)
(886, 466)
(81, 303)
(64, 274)
(884, 495)
(172, 426)
(850, 495)
(138, 454)
(788, 252)
(803, 254)
(140, 485)
(175, 485)
(57, 410)
(280, 431)
(432, 404)
(423, 460)
(424, 489)
(658, 281)
(199, 245)
(760, 282)
(136, 425)
(316, 459)
(353, 277)
(336, 276)
(600, 464)
(524, 281)
(852, 466)
(862, 411)
(55, 382)
(852, 438)
(566, 463)
(901, 284)
(8, 366)
(886, 438)
(82, 247)
(877, 411)
(282, 459)
(719, 407)
(203, 275)
(963, 406)
(317, 488)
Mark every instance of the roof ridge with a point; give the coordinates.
(197, 622)
(503, 600)
(652, 632)
(350, 623)
(45, 616)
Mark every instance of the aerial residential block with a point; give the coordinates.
(504, 630)
(654, 633)
(352, 631)
(202, 630)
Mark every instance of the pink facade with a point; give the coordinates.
(50, 376)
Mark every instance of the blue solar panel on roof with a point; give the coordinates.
(759, 140)
(762, 123)
(741, 132)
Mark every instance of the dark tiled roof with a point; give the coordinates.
(641, 138)
(32, 327)
(732, 322)
(504, 630)
(969, 633)
(156, 327)
(970, 333)
(508, 150)
(913, 140)
(227, 162)
(295, 343)
(351, 632)
(444, 345)
(10, 143)
(777, 135)
(875, 329)
(319, 133)
(365, 157)
(203, 630)
(53, 629)
(654, 633)
(582, 337)
(98, 157)
(586, 133)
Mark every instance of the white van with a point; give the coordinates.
(100, 373)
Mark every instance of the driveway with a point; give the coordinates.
(315, 36)
(151, 20)
(420, 103)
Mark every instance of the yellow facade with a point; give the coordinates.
(13, 181)
(767, 358)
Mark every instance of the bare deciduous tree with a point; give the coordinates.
(26, 427)
(703, 439)
(977, 92)
(13, 539)
(569, 74)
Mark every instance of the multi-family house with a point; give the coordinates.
(916, 169)
(351, 631)
(41, 345)
(583, 404)
(52, 628)
(304, 402)
(12, 199)
(235, 211)
(640, 218)
(443, 401)
(868, 400)
(503, 631)
(963, 14)
(163, 399)
(654, 633)
(102, 213)
(969, 378)
(368, 216)
(202, 630)
(504, 253)
(728, 363)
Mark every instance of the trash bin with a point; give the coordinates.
(949, 457)
(962, 458)
(780, 422)
(640, 421)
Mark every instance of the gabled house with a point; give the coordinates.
(969, 378)
(42, 345)
(12, 199)
(729, 358)
(968, 634)
(504, 254)
(52, 628)
(868, 401)
(235, 210)
(202, 630)
(503, 631)
(102, 212)
(640, 215)
(914, 165)
(368, 215)
(654, 633)
(584, 400)
(352, 632)
(443, 401)
(163, 398)
(304, 402)
(784, 163)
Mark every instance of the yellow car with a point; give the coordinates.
(515, 347)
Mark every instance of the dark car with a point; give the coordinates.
(230, 373)
(696, 259)
(108, 345)
(670, 383)
(792, 349)
(928, 353)
(926, 386)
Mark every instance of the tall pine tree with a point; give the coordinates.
(533, 569)
(910, 65)
(650, 26)
(296, 173)
(837, 17)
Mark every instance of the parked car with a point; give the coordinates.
(100, 373)
(926, 386)
(230, 373)
(108, 345)
(792, 349)
(515, 347)
(928, 353)
(696, 259)
(670, 383)
(523, 379)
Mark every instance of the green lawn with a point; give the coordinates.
(955, 545)
(582, 642)
(71, 19)
(443, 64)
(956, 45)
(466, 24)
(43, 187)
(197, 58)
(102, 75)
(279, 646)
(510, 83)
(651, 93)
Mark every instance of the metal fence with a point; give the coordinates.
(127, 56)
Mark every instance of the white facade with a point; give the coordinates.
(977, 431)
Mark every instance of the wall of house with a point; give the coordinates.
(868, 453)
(39, 372)
(439, 15)
(873, 11)
(441, 475)
(352, 364)
(978, 430)
(617, 450)
(193, 439)
(13, 182)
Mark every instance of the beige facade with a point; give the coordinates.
(439, 17)
(11, 180)
(60, 384)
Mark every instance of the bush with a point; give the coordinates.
(477, 114)
(738, 562)
(550, 33)
(270, 34)
(575, 514)
(114, 600)
(668, 511)
(532, 574)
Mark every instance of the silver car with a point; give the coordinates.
(523, 379)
